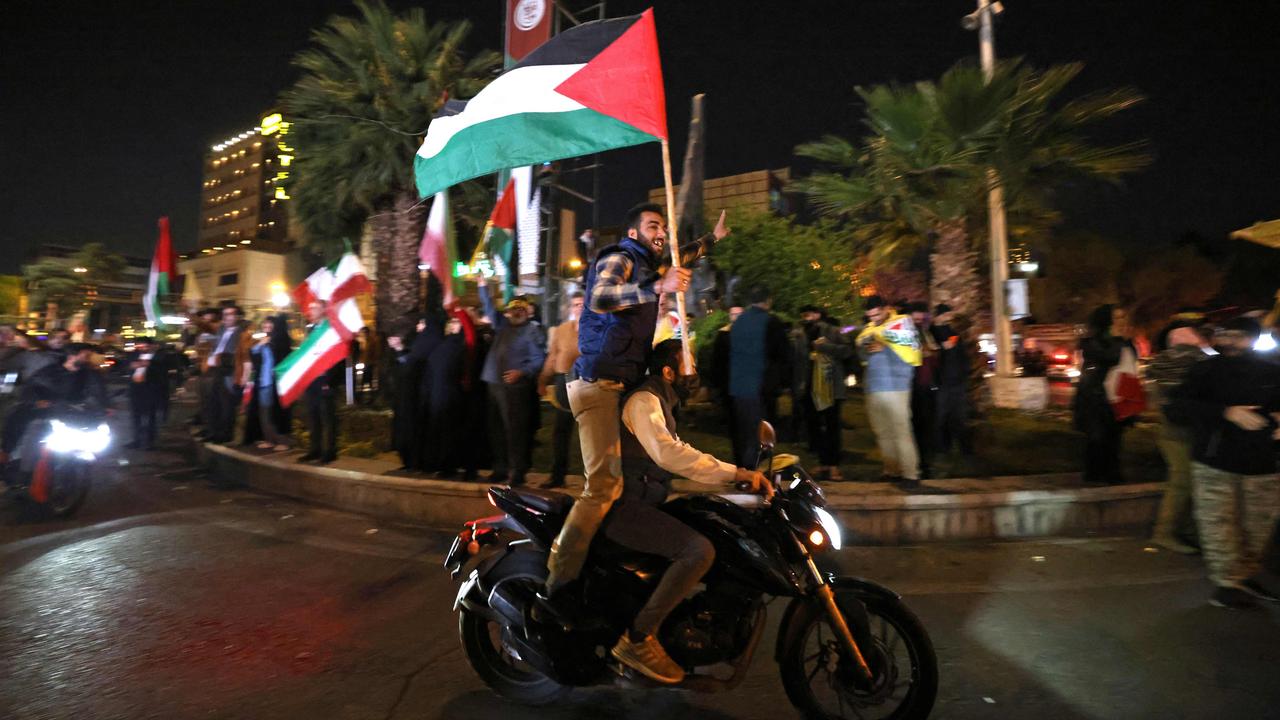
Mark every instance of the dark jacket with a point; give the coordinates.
(1093, 413)
(1169, 368)
(1210, 388)
(836, 347)
(953, 363)
(56, 384)
(616, 345)
(758, 354)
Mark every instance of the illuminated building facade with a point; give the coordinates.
(243, 202)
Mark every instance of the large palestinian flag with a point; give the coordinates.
(163, 278)
(594, 87)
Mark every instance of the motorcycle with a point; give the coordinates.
(846, 648)
(51, 467)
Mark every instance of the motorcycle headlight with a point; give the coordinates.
(830, 527)
(63, 438)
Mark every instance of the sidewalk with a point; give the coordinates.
(873, 513)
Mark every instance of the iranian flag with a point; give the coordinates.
(328, 342)
(594, 87)
(163, 278)
(438, 250)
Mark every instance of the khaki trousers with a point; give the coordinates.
(597, 409)
(890, 416)
(1236, 514)
(1175, 514)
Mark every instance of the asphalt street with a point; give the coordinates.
(168, 597)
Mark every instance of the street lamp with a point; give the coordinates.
(279, 297)
(80, 269)
(982, 20)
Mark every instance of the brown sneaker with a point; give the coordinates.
(648, 658)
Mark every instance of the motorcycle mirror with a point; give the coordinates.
(768, 438)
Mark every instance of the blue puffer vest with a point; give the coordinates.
(616, 345)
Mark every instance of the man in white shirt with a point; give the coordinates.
(652, 454)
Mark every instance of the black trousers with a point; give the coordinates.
(511, 428)
(225, 398)
(144, 409)
(924, 405)
(647, 529)
(747, 414)
(1102, 456)
(562, 433)
(951, 420)
(322, 422)
(825, 432)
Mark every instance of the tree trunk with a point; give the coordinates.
(397, 231)
(958, 283)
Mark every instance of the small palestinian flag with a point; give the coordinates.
(594, 87)
(163, 278)
(500, 231)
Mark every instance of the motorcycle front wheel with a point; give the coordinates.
(68, 488)
(824, 685)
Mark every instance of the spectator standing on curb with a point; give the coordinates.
(820, 356)
(148, 380)
(510, 372)
(226, 365)
(951, 415)
(265, 421)
(1180, 349)
(758, 351)
(1232, 404)
(445, 369)
(562, 351)
(1104, 350)
(404, 374)
(322, 400)
(890, 348)
(204, 333)
(924, 389)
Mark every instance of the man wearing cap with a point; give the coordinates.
(511, 371)
(615, 337)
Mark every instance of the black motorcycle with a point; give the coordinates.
(52, 466)
(847, 647)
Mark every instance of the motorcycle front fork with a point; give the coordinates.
(828, 599)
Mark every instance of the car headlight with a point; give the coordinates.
(63, 438)
(830, 527)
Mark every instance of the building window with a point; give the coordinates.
(228, 279)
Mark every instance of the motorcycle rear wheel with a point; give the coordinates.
(902, 656)
(482, 643)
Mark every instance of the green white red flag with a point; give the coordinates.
(594, 87)
(162, 280)
(329, 340)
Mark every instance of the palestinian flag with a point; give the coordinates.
(500, 232)
(594, 87)
(163, 278)
(328, 342)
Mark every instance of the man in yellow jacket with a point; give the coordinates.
(890, 348)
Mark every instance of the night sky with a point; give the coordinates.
(106, 112)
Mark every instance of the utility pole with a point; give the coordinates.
(998, 230)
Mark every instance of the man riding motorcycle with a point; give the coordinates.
(652, 454)
(74, 380)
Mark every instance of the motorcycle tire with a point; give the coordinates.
(883, 613)
(68, 489)
(481, 641)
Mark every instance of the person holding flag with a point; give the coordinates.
(615, 338)
(890, 347)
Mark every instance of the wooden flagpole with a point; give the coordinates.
(673, 240)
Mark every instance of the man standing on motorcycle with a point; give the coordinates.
(615, 336)
(652, 454)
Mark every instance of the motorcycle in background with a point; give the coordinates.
(51, 468)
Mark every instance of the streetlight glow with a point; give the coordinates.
(80, 269)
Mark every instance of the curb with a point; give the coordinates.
(868, 519)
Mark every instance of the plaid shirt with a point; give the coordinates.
(613, 291)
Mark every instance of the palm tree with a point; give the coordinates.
(73, 282)
(369, 87)
(921, 176)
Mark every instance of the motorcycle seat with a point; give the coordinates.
(544, 501)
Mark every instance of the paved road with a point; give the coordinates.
(168, 598)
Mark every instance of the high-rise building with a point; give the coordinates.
(243, 199)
